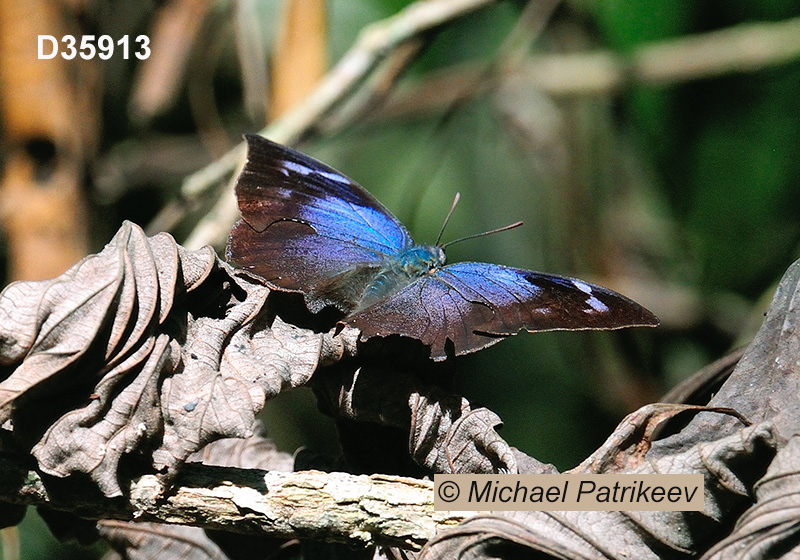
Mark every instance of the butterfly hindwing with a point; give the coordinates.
(304, 224)
(474, 305)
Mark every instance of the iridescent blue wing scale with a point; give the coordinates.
(474, 305)
(307, 228)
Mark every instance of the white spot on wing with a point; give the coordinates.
(597, 305)
(582, 286)
(334, 177)
(297, 167)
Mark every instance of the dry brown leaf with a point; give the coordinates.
(441, 431)
(144, 349)
(153, 541)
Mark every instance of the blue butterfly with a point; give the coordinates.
(307, 228)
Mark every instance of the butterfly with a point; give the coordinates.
(307, 228)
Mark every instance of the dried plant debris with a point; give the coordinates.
(150, 541)
(744, 442)
(157, 540)
(452, 437)
(144, 350)
(441, 431)
(253, 452)
(769, 528)
(145, 354)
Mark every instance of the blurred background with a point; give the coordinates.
(648, 145)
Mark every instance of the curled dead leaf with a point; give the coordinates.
(144, 349)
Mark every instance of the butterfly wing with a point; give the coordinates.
(473, 305)
(307, 228)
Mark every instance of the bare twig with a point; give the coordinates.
(299, 54)
(740, 49)
(375, 89)
(743, 48)
(252, 56)
(373, 46)
(357, 510)
(175, 30)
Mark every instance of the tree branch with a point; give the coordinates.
(738, 49)
(743, 48)
(336, 507)
(375, 46)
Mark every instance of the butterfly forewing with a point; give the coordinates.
(304, 223)
(474, 305)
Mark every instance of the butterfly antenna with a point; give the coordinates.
(447, 218)
(474, 235)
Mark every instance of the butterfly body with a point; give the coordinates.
(419, 259)
(400, 271)
(307, 228)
